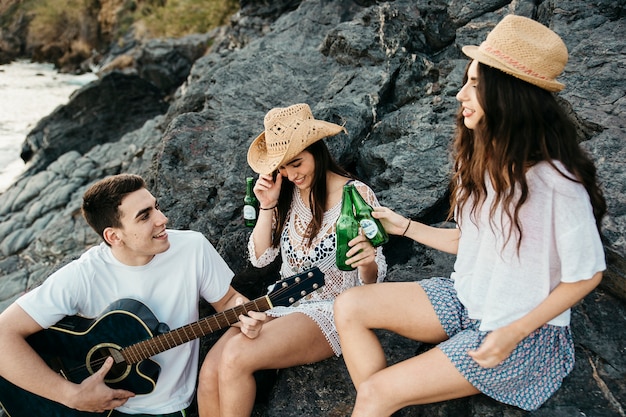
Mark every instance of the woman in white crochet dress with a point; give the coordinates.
(299, 190)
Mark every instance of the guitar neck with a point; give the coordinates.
(155, 345)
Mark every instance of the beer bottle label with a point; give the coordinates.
(369, 228)
(249, 212)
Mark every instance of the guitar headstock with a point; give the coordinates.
(291, 289)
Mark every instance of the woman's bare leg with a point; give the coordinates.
(401, 307)
(208, 384)
(424, 379)
(284, 342)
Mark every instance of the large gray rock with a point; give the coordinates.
(389, 71)
(101, 111)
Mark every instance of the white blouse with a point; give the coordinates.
(297, 256)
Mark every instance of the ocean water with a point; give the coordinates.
(28, 92)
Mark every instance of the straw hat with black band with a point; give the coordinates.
(525, 49)
(288, 131)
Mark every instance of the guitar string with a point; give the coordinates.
(97, 364)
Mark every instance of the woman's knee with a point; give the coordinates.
(236, 358)
(346, 306)
(218, 361)
(370, 394)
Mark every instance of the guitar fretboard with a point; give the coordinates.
(143, 350)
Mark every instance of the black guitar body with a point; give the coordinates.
(76, 347)
(18, 404)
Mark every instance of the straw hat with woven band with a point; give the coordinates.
(288, 131)
(525, 49)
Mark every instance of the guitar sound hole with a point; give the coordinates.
(98, 354)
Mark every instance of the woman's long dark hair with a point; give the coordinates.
(523, 125)
(324, 162)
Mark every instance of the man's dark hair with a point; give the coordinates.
(102, 199)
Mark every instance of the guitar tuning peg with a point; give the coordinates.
(297, 303)
(292, 300)
(315, 286)
(285, 285)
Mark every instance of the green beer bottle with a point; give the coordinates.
(250, 204)
(372, 228)
(346, 229)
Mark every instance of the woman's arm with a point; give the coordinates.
(445, 240)
(267, 191)
(499, 344)
(262, 232)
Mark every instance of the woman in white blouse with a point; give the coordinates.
(528, 208)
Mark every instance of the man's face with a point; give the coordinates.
(142, 234)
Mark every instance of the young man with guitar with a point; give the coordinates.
(147, 272)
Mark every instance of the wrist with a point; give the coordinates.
(406, 229)
(268, 205)
(519, 330)
(368, 274)
(69, 393)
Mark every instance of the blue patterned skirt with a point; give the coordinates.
(527, 378)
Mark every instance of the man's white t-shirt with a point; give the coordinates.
(561, 243)
(171, 285)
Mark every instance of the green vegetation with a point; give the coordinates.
(53, 19)
(175, 18)
(73, 21)
(70, 32)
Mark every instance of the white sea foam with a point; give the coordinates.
(28, 92)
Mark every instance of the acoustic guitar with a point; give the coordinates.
(76, 347)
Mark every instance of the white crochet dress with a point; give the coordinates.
(297, 257)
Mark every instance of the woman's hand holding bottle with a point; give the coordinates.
(391, 221)
(361, 251)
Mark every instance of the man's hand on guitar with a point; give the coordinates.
(75, 340)
(252, 322)
(94, 395)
